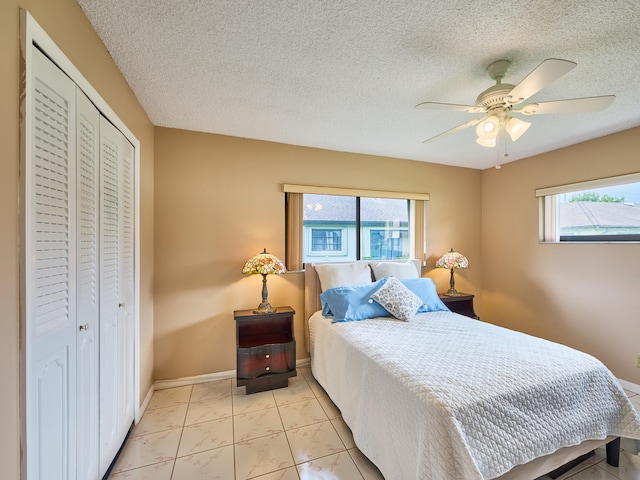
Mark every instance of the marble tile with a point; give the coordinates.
(158, 471)
(257, 424)
(308, 374)
(299, 414)
(149, 449)
(262, 455)
(314, 441)
(287, 474)
(313, 383)
(344, 432)
(209, 410)
(159, 419)
(329, 407)
(297, 391)
(235, 389)
(368, 470)
(339, 466)
(635, 401)
(316, 388)
(630, 445)
(629, 468)
(211, 390)
(216, 464)
(585, 465)
(169, 397)
(593, 473)
(250, 403)
(206, 436)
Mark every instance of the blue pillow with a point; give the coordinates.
(349, 303)
(426, 290)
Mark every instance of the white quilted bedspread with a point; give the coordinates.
(447, 397)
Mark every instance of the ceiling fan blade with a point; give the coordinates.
(450, 106)
(572, 105)
(470, 123)
(547, 72)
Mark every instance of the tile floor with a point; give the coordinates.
(214, 431)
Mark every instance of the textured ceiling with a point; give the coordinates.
(345, 75)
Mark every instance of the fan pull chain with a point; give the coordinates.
(505, 154)
(499, 137)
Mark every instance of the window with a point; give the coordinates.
(388, 244)
(324, 240)
(339, 228)
(606, 210)
(332, 224)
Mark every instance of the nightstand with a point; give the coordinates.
(265, 348)
(462, 304)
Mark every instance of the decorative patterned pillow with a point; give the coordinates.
(397, 299)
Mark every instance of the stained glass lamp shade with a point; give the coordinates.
(264, 264)
(452, 260)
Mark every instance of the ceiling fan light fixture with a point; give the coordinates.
(488, 129)
(516, 127)
(486, 142)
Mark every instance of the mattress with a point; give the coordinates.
(448, 397)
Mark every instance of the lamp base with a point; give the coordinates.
(264, 307)
(452, 292)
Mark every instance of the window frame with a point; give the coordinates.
(549, 211)
(294, 218)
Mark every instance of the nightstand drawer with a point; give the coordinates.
(266, 359)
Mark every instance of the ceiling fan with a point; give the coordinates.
(499, 101)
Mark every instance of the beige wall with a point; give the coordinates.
(64, 21)
(585, 296)
(219, 201)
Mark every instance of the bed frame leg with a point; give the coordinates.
(613, 452)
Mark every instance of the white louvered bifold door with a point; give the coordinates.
(88, 294)
(127, 248)
(116, 334)
(79, 294)
(50, 327)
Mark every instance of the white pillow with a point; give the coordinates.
(397, 299)
(343, 274)
(403, 271)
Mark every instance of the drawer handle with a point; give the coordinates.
(267, 356)
(267, 368)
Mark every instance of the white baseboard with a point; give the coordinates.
(208, 377)
(181, 382)
(632, 387)
(145, 404)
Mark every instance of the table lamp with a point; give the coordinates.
(452, 260)
(264, 264)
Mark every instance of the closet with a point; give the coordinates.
(78, 270)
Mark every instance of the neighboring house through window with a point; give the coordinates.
(368, 225)
(605, 210)
(337, 227)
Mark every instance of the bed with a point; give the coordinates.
(437, 395)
